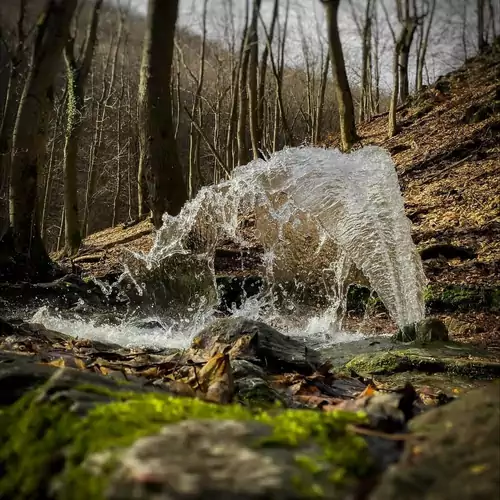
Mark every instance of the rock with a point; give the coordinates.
(152, 445)
(221, 461)
(453, 359)
(255, 391)
(456, 454)
(19, 374)
(427, 330)
(256, 342)
(243, 368)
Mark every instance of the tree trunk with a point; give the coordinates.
(262, 75)
(30, 133)
(253, 40)
(158, 149)
(77, 71)
(366, 37)
(243, 97)
(342, 89)
(321, 98)
(481, 42)
(404, 56)
(392, 130)
(422, 49)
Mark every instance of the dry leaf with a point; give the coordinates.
(369, 391)
(215, 379)
(59, 363)
(80, 363)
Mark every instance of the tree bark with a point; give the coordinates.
(30, 133)
(481, 41)
(158, 149)
(344, 97)
(262, 75)
(422, 49)
(77, 70)
(253, 40)
(243, 97)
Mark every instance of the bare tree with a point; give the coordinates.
(263, 73)
(365, 33)
(30, 132)
(158, 149)
(9, 106)
(102, 108)
(77, 70)
(253, 41)
(344, 97)
(243, 94)
(425, 29)
(481, 40)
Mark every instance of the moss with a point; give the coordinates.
(429, 361)
(361, 298)
(45, 446)
(462, 298)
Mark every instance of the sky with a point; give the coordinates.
(307, 17)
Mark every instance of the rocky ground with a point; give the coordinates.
(246, 412)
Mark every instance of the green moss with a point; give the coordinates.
(361, 298)
(462, 298)
(46, 446)
(428, 361)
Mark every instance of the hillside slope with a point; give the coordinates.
(447, 154)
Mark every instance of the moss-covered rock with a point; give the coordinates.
(444, 358)
(48, 450)
(456, 454)
(462, 298)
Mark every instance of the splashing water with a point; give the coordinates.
(320, 217)
(319, 220)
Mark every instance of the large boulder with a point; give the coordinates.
(455, 453)
(75, 438)
(256, 342)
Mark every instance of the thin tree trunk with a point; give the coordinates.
(321, 98)
(30, 133)
(50, 167)
(422, 50)
(102, 106)
(77, 70)
(481, 41)
(253, 40)
(243, 97)
(263, 73)
(194, 136)
(344, 97)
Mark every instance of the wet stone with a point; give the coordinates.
(256, 342)
(427, 330)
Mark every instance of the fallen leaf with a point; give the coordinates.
(215, 379)
(59, 363)
(80, 363)
(369, 391)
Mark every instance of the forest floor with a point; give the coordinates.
(447, 156)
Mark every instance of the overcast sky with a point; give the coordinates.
(306, 16)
